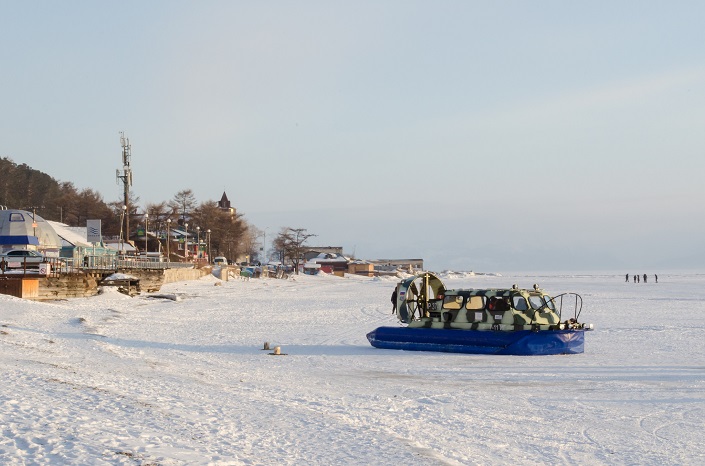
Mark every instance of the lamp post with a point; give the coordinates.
(34, 220)
(168, 224)
(146, 228)
(186, 242)
(122, 220)
(209, 245)
(198, 242)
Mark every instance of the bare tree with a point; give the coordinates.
(289, 242)
(183, 203)
(117, 206)
(158, 213)
(255, 243)
(228, 230)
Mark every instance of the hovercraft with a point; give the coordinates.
(511, 321)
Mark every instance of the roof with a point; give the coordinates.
(224, 203)
(20, 227)
(74, 236)
(327, 258)
(120, 246)
(176, 233)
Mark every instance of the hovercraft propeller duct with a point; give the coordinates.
(414, 294)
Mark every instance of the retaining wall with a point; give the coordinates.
(66, 286)
(180, 275)
(79, 285)
(149, 280)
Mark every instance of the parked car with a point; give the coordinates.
(18, 257)
(220, 260)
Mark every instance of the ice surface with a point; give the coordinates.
(120, 380)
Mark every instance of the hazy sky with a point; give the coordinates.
(487, 136)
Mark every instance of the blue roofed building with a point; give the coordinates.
(20, 229)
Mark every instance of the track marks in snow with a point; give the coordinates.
(186, 383)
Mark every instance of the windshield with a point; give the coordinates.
(549, 303)
(519, 303)
(536, 301)
(23, 253)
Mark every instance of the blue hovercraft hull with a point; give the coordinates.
(520, 343)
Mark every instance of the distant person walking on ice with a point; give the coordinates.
(656, 277)
(634, 278)
(627, 278)
(644, 278)
(394, 301)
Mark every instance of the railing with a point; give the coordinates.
(152, 265)
(55, 266)
(21, 267)
(114, 263)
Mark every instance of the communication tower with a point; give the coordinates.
(126, 179)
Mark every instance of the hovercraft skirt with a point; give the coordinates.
(520, 343)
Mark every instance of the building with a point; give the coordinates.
(74, 243)
(180, 240)
(329, 263)
(391, 265)
(360, 267)
(224, 204)
(314, 251)
(20, 229)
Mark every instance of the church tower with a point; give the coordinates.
(224, 204)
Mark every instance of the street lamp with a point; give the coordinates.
(34, 220)
(168, 224)
(122, 220)
(198, 242)
(186, 242)
(209, 245)
(146, 228)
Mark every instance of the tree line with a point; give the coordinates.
(22, 187)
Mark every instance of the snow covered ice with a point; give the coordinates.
(181, 378)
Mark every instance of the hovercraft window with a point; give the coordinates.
(475, 303)
(453, 302)
(519, 303)
(16, 217)
(549, 303)
(536, 301)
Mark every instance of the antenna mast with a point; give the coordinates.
(126, 179)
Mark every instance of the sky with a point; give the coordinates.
(495, 136)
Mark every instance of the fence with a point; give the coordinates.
(21, 267)
(55, 266)
(115, 263)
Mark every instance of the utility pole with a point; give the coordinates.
(126, 179)
(34, 220)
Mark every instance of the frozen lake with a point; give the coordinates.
(119, 380)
